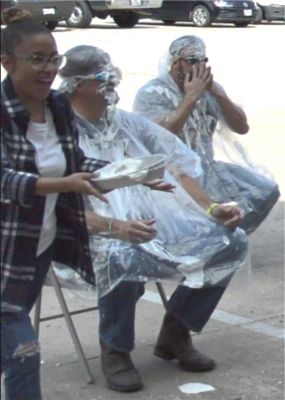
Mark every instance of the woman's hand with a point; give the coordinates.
(229, 214)
(160, 184)
(80, 183)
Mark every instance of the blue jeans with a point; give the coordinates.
(193, 307)
(262, 208)
(117, 311)
(20, 354)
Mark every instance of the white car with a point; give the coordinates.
(270, 10)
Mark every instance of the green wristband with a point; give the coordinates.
(211, 208)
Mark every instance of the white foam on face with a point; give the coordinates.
(195, 388)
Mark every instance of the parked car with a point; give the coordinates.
(47, 12)
(270, 10)
(124, 12)
(204, 12)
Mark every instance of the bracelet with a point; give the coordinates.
(211, 208)
(110, 225)
(109, 234)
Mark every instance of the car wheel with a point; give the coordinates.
(126, 19)
(201, 16)
(241, 24)
(259, 16)
(81, 16)
(51, 25)
(168, 21)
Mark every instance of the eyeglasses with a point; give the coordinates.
(194, 60)
(40, 61)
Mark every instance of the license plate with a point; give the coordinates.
(136, 3)
(48, 11)
(247, 13)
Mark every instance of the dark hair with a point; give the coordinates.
(20, 24)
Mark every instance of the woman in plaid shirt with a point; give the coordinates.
(43, 174)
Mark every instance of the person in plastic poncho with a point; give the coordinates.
(186, 100)
(191, 247)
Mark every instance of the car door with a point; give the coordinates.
(172, 10)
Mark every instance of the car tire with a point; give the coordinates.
(81, 16)
(126, 19)
(241, 24)
(168, 21)
(259, 16)
(51, 25)
(201, 16)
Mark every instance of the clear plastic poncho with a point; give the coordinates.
(228, 172)
(190, 247)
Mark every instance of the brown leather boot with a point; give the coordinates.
(119, 371)
(174, 342)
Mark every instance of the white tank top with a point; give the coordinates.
(51, 162)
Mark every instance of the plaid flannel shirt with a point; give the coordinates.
(22, 210)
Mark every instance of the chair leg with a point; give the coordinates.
(162, 295)
(70, 325)
(37, 314)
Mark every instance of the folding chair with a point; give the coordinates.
(66, 313)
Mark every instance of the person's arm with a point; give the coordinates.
(228, 214)
(78, 183)
(195, 190)
(135, 231)
(175, 120)
(234, 116)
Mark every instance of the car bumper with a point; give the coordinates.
(125, 4)
(235, 15)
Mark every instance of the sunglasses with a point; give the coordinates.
(39, 62)
(102, 76)
(194, 60)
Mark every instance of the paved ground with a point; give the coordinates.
(246, 333)
(244, 336)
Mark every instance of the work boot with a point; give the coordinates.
(175, 342)
(119, 371)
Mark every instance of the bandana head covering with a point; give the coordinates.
(187, 46)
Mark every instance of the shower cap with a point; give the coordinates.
(87, 62)
(182, 47)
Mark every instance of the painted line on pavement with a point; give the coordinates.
(231, 319)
